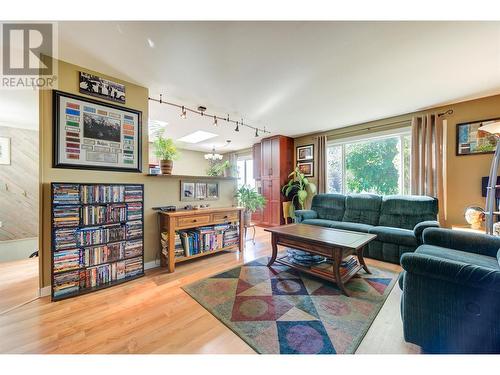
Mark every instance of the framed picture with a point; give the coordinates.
(201, 190)
(471, 141)
(101, 88)
(305, 152)
(5, 150)
(307, 168)
(212, 190)
(89, 134)
(187, 191)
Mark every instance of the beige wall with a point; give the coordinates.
(463, 172)
(158, 191)
(19, 185)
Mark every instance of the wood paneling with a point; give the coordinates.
(154, 315)
(19, 186)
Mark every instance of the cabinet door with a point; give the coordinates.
(266, 155)
(275, 157)
(256, 154)
(266, 192)
(275, 208)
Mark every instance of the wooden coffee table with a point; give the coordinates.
(334, 244)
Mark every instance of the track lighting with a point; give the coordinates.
(183, 112)
(215, 121)
(256, 132)
(237, 128)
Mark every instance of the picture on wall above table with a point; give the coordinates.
(305, 152)
(212, 190)
(102, 88)
(472, 141)
(307, 168)
(89, 134)
(187, 191)
(5, 150)
(199, 190)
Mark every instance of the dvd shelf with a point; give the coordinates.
(97, 236)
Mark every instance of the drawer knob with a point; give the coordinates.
(194, 220)
(225, 217)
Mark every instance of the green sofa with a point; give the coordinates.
(451, 293)
(397, 220)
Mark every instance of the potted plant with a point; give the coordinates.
(251, 200)
(166, 152)
(218, 169)
(298, 189)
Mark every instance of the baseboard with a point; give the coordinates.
(44, 292)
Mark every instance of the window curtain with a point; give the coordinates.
(321, 164)
(427, 159)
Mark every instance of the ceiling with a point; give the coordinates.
(292, 77)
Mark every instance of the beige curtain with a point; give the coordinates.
(321, 164)
(427, 158)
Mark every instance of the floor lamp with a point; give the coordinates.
(493, 128)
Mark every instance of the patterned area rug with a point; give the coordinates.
(278, 310)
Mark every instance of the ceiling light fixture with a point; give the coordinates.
(201, 111)
(213, 156)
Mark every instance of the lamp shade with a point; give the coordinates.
(492, 127)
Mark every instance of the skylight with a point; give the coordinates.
(197, 136)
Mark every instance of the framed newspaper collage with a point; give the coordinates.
(90, 134)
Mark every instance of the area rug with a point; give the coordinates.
(278, 310)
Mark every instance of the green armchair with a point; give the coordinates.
(451, 293)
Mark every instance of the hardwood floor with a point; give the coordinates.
(18, 283)
(154, 315)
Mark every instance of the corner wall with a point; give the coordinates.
(158, 191)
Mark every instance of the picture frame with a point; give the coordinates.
(5, 151)
(200, 190)
(212, 190)
(305, 152)
(93, 135)
(187, 191)
(470, 141)
(102, 88)
(307, 168)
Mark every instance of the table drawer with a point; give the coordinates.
(225, 216)
(193, 220)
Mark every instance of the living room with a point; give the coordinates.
(250, 187)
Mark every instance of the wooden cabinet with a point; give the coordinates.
(256, 149)
(276, 163)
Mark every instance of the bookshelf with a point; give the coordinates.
(192, 234)
(97, 236)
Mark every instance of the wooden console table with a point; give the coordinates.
(172, 221)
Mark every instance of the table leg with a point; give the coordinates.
(253, 238)
(274, 243)
(359, 253)
(337, 259)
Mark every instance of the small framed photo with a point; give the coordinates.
(305, 152)
(307, 168)
(212, 190)
(187, 191)
(5, 150)
(201, 190)
(102, 88)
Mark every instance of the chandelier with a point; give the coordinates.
(213, 156)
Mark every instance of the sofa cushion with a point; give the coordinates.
(329, 206)
(345, 225)
(459, 256)
(395, 235)
(498, 257)
(319, 222)
(362, 208)
(405, 211)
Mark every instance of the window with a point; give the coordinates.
(379, 164)
(245, 172)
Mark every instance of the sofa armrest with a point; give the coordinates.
(451, 271)
(301, 215)
(477, 243)
(419, 228)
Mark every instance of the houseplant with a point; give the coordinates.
(218, 169)
(298, 189)
(166, 152)
(251, 200)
